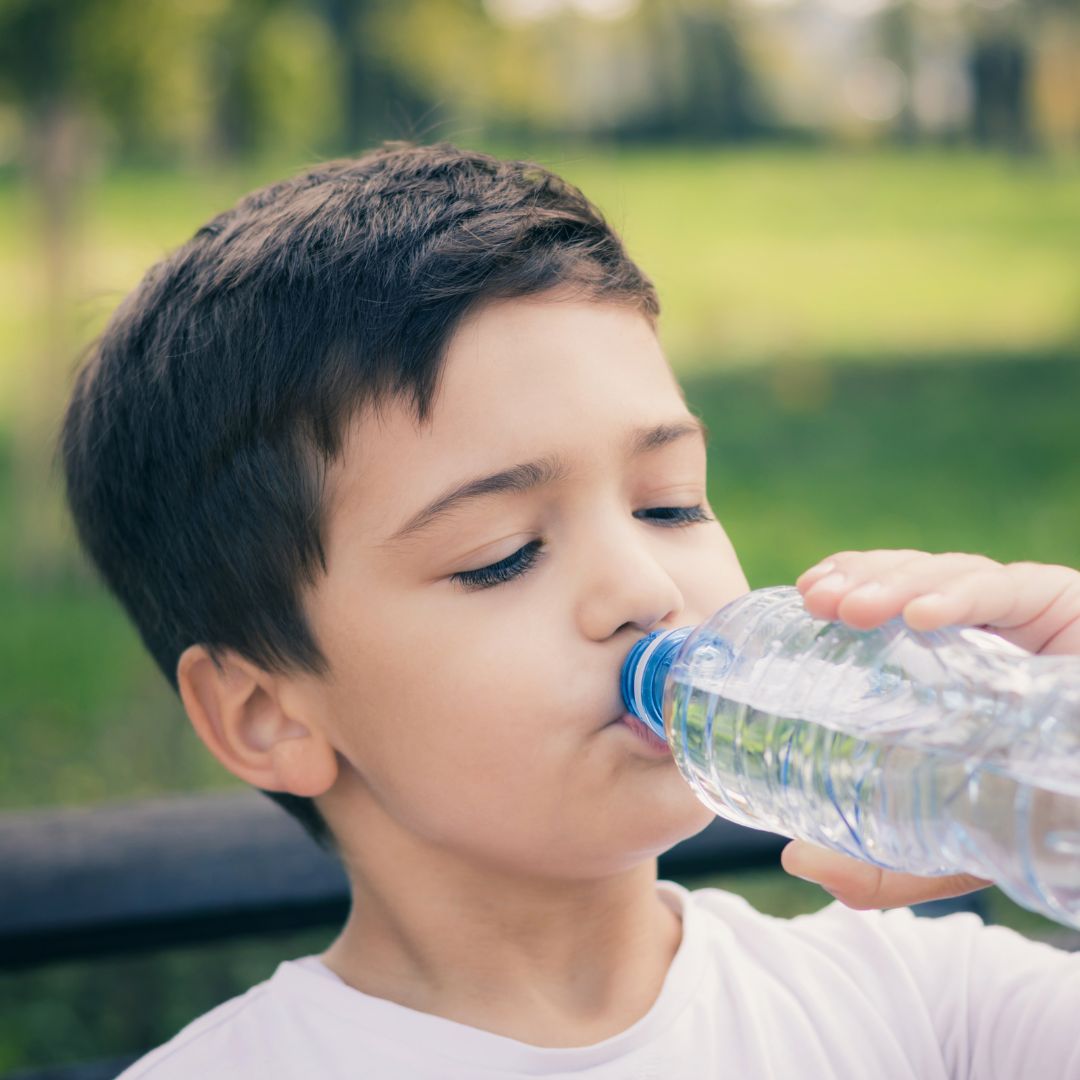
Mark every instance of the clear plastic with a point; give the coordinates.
(931, 753)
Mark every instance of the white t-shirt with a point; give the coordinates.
(838, 993)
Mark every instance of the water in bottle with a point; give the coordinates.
(931, 753)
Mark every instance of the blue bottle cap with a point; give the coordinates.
(644, 672)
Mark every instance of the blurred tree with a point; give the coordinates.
(896, 33)
(84, 76)
(705, 87)
(140, 80)
(452, 52)
(1000, 67)
(233, 63)
(378, 96)
(659, 70)
(36, 50)
(342, 18)
(40, 71)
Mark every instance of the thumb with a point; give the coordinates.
(862, 885)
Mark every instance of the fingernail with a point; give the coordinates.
(833, 581)
(819, 568)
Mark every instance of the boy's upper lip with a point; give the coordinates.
(620, 712)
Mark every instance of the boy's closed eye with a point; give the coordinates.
(526, 557)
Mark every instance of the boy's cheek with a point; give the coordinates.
(713, 578)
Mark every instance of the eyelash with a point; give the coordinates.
(525, 558)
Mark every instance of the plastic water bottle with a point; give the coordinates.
(931, 753)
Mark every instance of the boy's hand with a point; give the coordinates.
(1033, 605)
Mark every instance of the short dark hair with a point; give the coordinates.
(198, 431)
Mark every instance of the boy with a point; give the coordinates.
(390, 471)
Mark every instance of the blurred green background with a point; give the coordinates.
(863, 218)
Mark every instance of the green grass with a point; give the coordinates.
(885, 349)
(784, 253)
(951, 454)
(767, 254)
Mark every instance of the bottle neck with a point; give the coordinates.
(644, 673)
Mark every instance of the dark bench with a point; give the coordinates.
(123, 878)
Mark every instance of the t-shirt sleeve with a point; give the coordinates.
(1003, 1006)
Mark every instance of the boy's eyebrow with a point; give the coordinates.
(545, 470)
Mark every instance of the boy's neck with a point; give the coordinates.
(561, 963)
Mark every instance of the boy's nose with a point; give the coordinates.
(627, 586)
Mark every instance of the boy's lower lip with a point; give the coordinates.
(641, 733)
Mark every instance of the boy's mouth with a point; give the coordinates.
(640, 731)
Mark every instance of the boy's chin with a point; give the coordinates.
(674, 821)
(697, 817)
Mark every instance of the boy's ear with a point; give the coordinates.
(250, 723)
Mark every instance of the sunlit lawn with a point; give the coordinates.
(777, 254)
(758, 255)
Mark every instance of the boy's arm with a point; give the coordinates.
(1033, 605)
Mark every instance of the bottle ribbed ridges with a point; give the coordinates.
(917, 751)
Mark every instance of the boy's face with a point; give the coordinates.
(480, 720)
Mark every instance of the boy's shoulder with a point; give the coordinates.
(213, 1044)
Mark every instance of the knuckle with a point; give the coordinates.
(964, 565)
(1069, 597)
(1020, 564)
(845, 556)
(901, 554)
(906, 570)
(1028, 568)
(968, 557)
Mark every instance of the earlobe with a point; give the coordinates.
(236, 711)
(304, 765)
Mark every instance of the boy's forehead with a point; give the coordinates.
(520, 379)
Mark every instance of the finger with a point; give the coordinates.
(1033, 605)
(861, 885)
(819, 570)
(850, 565)
(869, 602)
(822, 595)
